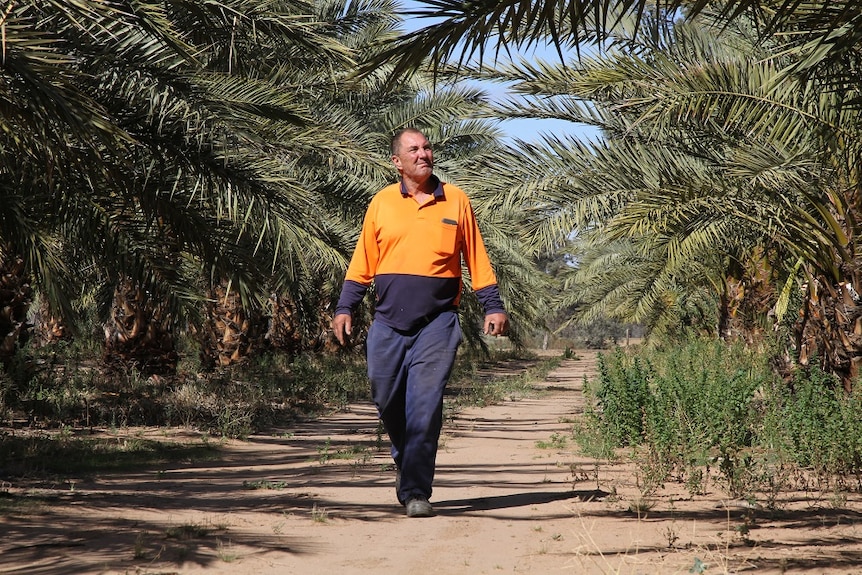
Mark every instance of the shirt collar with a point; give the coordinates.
(438, 187)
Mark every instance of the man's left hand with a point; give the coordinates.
(496, 324)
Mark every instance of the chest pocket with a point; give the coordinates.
(446, 237)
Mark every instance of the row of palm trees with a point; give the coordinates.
(724, 196)
(204, 165)
(203, 168)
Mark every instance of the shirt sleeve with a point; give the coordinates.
(490, 299)
(366, 256)
(351, 294)
(484, 280)
(362, 268)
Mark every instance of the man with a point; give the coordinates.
(413, 237)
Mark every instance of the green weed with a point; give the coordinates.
(708, 411)
(187, 531)
(557, 441)
(319, 514)
(359, 453)
(265, 484)
(225, 552)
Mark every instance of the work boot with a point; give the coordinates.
(418, 506)
(398, 486)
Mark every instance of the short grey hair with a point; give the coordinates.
(395, 144)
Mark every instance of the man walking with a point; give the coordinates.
(413, 238)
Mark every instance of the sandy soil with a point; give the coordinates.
(512, 495)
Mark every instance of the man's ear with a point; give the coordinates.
(397, 161)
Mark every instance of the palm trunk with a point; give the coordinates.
(285, 331)
(231, 333)
(47, 327)
(745, 303)
(830, 330)
(16, 295)
(139, 333)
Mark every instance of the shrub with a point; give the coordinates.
(621, 397)
(691, 406)
(708, 406)
(817, 423)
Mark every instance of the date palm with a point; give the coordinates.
(366, 111)
(140, 136)
(750, 155)
(824, 34)
(717, 167)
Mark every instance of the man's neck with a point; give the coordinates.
(421, 189)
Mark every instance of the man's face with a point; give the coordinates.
(414, 158)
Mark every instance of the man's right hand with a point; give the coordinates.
(342, 325)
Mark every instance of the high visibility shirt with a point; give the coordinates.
(413, 254)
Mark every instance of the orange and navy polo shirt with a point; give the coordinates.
(413, 254)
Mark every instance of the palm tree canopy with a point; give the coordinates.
(711, 154)
(823, 32)
(135, 131)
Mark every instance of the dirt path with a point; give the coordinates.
(512, 496)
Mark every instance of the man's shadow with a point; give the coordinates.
(455, 506)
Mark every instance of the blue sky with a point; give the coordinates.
(529, 130)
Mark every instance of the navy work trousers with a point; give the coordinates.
(408, 373)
